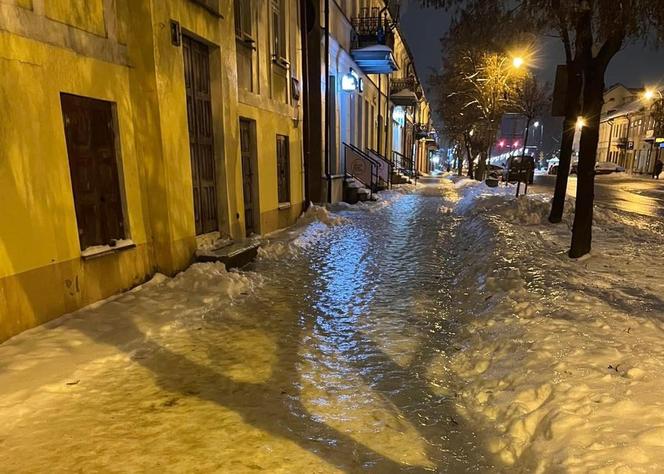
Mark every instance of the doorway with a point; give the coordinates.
(201, 139)
(249, 178)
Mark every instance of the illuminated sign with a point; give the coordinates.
(399, 116)
(348, 83)
(352, 82)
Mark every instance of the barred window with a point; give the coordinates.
(90, 132)
(278, 13)
(283, 169)
(243, 24)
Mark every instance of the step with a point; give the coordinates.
(234, 255)
(363, 194)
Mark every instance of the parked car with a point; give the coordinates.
(515, 166)
(495, 171)
(606, 167)
(554, 164)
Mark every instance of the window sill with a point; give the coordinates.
(284, 205)
(246, 41)
(280, 62)
(101, 250)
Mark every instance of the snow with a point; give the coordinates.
(559, 363)
(206, 243)
(561, 360)
(96, 250)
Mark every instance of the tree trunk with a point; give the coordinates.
(459, 162)
(593, 99)
(574, 83)
(481, 167)
(470, 157)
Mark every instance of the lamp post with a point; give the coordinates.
(656, 106)
(608, 150)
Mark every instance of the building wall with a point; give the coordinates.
(42, 274)
(627, 131)
(272, 116)
(365, 119)
(121, 51)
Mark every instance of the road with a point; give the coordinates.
(640, 195)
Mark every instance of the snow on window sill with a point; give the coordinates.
(284, 205)
(100, 250)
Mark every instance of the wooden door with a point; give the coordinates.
(90, 135)
(247, 148)
(201, 141)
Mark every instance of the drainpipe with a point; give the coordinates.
(306, 122)
(629, 128)
(328, 176)
(380, 93)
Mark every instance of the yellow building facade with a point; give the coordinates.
(127, 130)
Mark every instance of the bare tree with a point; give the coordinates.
(592, 33)
(478, 80)
(531, 100)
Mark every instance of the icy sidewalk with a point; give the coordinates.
(316, 360)
(441, 329)
(562, 360)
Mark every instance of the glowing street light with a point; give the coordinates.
(580, 123)
(536, 125)
(517, 62)
(650, 93)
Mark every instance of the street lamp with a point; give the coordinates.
(650, 93)
(580, 123)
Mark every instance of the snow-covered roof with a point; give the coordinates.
(627, 109)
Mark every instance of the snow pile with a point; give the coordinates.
(213, 277)
(560, 362)
(461, 183)
(307, 230)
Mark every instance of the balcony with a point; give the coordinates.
(373, 42)
(422, 131)
(622, 142)
(405, 92)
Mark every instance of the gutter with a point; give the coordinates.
(328, 176)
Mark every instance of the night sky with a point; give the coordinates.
(634, 66)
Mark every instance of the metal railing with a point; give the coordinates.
(372, 29)
(403, 164)
(385, 169)
(363, 168)
(401, 83)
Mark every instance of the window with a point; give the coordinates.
(245, 44)
(90, 132)
(278, 12)
(283, 169)
(243, 23)
(210, 5)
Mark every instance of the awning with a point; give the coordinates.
(376, 59)
(404, 98)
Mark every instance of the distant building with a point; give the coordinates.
(627, 134)
(371, 104)
(511, 137)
